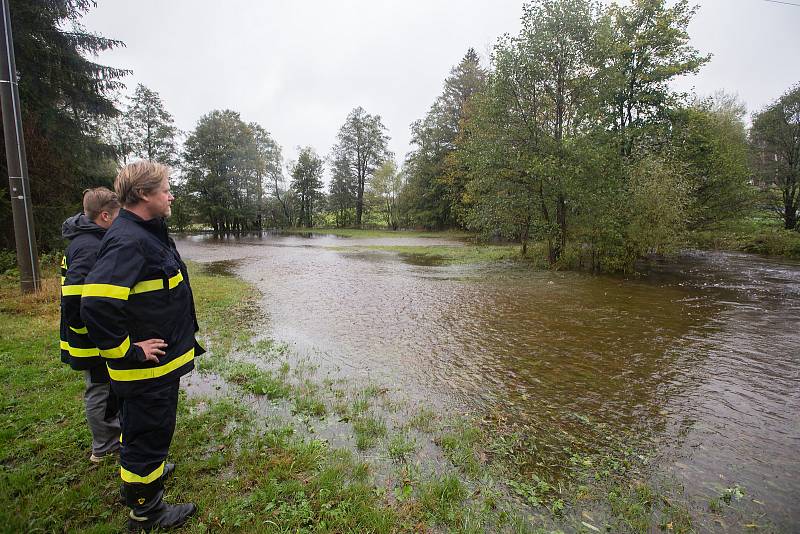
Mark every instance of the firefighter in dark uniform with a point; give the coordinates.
(138, 308)
(84, 232)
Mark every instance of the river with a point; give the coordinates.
(699, 356)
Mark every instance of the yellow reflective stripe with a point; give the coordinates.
(133, 478)
(63, 279)
(79, 330)
(128, 375)
(77, 352)
(147, 285)
(175, 280)
(71, 290)
(117, 352)
(106, 290)
(154, 285)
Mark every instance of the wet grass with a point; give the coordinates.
(400, 447)
(758, 235)
(252, 471)
(451, 255)
(368, 430)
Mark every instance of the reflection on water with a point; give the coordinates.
(699, 357)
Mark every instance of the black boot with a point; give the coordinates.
(149, 511)
(169, 468)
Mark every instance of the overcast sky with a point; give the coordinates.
(298, 67)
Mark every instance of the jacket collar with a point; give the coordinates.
(156, 226)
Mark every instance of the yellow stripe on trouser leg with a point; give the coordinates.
(133, 478)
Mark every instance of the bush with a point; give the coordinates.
(8, 260)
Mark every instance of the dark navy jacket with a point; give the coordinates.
(139, 289)
(76, 348)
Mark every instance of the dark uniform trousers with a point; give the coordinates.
(148, 423)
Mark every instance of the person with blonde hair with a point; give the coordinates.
(85, 231)
(139, 309)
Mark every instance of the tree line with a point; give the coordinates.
(571, 137)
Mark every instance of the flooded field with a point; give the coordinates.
(698, 360)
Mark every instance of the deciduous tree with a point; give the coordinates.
(775, 135)
(362, 147)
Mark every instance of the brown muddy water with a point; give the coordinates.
(698, 360)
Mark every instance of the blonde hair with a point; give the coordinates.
(137, 179)
(98, 199)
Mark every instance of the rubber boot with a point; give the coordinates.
(169, 468)
(149, 511)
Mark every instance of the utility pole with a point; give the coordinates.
(19, 186)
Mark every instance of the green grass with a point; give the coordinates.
(368, 429)
(757, 235)
(462, 445)
(447, 255)
(400, 447)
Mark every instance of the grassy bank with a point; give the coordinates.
(277, 446)
(757, 235)
(453, 255)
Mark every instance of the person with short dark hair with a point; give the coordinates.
(85, 231)
(138, 308)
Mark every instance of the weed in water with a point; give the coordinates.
(368, 429)
(400, 446)
(423, 420)
(460, 446)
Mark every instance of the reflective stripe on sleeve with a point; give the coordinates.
(175, 280)
(133, 478)
(79, 330)
(155, 285)
(147, 285)
(106, 290)
(77, 352)
(129, 375)
(72, 290)
(117, 352)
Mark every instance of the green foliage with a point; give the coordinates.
(64, 97)
(571, 142)
(307, 183)
(8, 261)
(709, 138)
(361, 148)
(386, 187)
(534, 492)
(436, 182)
(149, 128)
(228, 166)
(775, 137)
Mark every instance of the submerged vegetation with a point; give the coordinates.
(278, 446)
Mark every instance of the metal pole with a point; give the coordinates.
(19, 187)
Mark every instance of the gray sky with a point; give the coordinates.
(298, 67)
